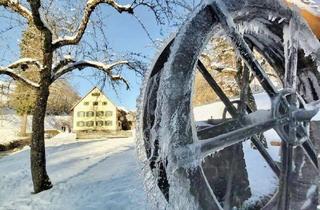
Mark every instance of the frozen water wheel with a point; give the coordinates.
(166, 133)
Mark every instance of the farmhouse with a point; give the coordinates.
(95, 112)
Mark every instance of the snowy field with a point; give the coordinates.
(10, 125)
(104, 174)
(95, 174)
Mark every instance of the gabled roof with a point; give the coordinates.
(95, 87)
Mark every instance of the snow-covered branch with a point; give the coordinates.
(16, 76)
(90, 7)
(62, 63)
(16, 7)
(106, 68)
(24, 63)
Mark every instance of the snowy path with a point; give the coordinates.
(86, 175)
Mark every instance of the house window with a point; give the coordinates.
(99, 113)
(104, 103)
(99, 123)
(80, 124)
(108, 113)
(90, 114)
(95, 94)
(90, 124)
(81, 114)
(95, 103)
(86, 103)
(108, 123)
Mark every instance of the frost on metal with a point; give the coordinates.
(166, 133)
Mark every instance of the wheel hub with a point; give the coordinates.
(298, 114)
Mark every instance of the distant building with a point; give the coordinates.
(131, 118)
(95, 112)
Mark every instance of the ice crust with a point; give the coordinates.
(168, 120)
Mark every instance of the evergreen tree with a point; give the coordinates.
(23, 97)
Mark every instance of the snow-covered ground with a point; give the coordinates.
(10, 124)
(104, 174)
(95, 174)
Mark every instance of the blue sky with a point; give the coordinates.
(124, 34)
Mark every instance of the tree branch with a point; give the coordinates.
(24, 63)
(41, 26)
(106, 68)
(62, 63)
(16, 7)
(90, 7)
(9, 72)
(21, 64)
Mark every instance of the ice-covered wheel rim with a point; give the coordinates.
(166, 131)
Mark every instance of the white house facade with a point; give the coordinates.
(95, 112)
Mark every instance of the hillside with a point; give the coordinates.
(10, 125)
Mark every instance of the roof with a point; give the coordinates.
(95, 87)
(122, 108)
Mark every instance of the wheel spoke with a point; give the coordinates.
(244, 85)
(216, 88)
(254, 123)
(243, 49)
(291, 47)
(308, 146)
(311, 153)
(286, 160)
(233, 112)
(258, 117)
(219, 129)
(261, 148)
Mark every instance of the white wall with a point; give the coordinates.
(82, 107)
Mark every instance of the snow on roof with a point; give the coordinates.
(122, 108)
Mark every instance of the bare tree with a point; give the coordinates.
(56, 60)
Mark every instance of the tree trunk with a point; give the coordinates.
(40, 178)
(23, 126)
